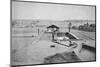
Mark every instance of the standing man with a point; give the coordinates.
(69, 25)
(38, 31)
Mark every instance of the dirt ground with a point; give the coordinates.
(33, 49)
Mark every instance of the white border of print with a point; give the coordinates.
(5, 33)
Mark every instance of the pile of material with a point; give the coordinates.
(62, 57)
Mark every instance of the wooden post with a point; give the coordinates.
(53, 36)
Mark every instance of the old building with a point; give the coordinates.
(52, 28)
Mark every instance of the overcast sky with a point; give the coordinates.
(27, 10)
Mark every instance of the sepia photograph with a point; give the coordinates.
(52, 33)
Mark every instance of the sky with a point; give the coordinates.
(44, 11)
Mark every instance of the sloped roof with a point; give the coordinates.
(53, 26)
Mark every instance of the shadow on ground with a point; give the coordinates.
(62, 57)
